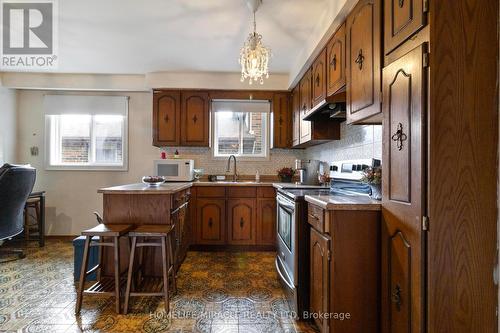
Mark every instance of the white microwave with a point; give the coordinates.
(177, 170)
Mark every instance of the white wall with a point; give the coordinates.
(356, 142)
(72, 195)
(8, 123)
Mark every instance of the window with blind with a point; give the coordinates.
(86, 132)
(241, 128)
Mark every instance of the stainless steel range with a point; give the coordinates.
(292, 258)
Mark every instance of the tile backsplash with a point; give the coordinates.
(357, 142)
(203, 159)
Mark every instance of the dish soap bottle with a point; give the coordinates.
(257, 176)
(176, 154)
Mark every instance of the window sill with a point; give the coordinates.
(85, 168)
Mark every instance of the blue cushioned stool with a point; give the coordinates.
(78, 244)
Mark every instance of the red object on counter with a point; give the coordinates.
(163, 155)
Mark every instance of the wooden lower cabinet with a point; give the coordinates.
(344, 271)
(266, 221)
(235, 215)
(241, 221)
(211, 221)
(320, 276)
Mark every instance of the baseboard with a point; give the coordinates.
(233, 248)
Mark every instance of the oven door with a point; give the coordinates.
(286, 235)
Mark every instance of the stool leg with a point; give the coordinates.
(99, 259)
(117, 272)
(141, 259)
(83, 271)
(165, 263)
(26, 226)
(172, 264)
(129, 274)
(37, 213)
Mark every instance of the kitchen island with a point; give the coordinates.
(207, 215)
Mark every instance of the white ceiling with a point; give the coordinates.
(137, 37)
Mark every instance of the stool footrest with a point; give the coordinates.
(106, 286)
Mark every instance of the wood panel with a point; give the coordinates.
(282, 122)
(335, 52)
(211, 192)
(296, 116)
(241, 192)
(211, 220)
(363, 90)
(402, 19)
(241, 221)
(463, 166)
(403, 249)
(166, 118)
(266, 222)
(320, 276)
(318, 90)
(266, 192)
(195, 119)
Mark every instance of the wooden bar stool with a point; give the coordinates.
(105, 286)
(148, 234)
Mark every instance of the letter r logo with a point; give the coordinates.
(27, 28)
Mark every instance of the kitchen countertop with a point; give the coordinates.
(231, 183)
(140, 188)
(293, 185)
(343, 202)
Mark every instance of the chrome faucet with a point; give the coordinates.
(235, 176)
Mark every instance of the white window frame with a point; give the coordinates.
(265, 156)
(86, 166)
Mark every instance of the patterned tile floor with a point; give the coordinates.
(217, 292)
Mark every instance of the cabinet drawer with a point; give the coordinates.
(266, 192)
(241, 192)
(211, 192)
(316, 217)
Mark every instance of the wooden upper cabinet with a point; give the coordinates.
(296, 117)
(403, 201)
(335, 62)
(305, 106)
(195, 119)
(364, 63)
(166, 118)
(282, 123)
(241, 221)
(319, 276)
(319, 79)
(402, 19)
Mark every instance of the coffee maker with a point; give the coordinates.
(308, 171)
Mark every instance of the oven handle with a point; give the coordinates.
(284, 202)
(281, 274)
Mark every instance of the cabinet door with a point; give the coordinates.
(335, 61)
(266, 221)
(320, 276)
(305, 107)
(403, 249)
(364, 63)
(281, 121)
(195, 119)
(241, 221)
(296, 116)
(402, 19)
(166, 118)
(319, 79)
(210, 214)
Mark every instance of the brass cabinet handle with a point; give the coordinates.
(399, 136)
(241, 223)
(195, 119)
(334, 62)
(360, 58)
(166, 118)
(210, 222)
(317, 80)
(401, 3)
(396, 297)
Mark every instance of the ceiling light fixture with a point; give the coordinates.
(254, 56)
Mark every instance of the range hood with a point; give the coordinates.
(333, 107)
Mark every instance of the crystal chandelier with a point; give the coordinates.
(254, 57)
